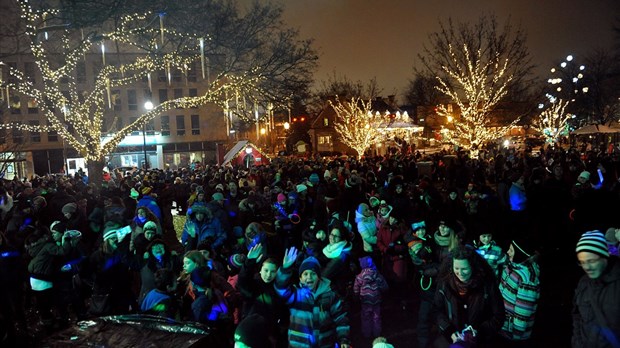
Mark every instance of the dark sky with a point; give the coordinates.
(363, 39)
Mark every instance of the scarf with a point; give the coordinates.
(441, 240)
(333, 251)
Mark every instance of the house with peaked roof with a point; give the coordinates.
(326, 140)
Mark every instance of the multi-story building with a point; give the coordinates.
(175, 138)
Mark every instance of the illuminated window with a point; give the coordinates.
(326, 122)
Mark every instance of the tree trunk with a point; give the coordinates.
(95, 172)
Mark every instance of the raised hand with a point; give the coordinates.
(256, 252)
(290, 255)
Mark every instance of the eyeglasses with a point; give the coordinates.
(335, 235)
(589, 262)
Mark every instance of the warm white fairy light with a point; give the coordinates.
(80, 122)
(552, 121)
(475, 92)
(356, 124)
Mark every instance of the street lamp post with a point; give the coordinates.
(148, 105)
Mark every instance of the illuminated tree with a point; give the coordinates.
(553, 121)
(358, 127)
(244, 61)
(475, 92)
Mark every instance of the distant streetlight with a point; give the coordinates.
(148, 106)
(287, 125)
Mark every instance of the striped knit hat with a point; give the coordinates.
(593, 242)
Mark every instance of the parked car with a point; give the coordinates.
(134, 330)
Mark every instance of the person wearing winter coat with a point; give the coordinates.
(160, 301)
(468, 305)
(368, 287)
(490, 251)
(318, 319)
(43, 250)
(256, 286)
(367, 228)
(391, 243)
(149, 200)
(156, 257)
(202, 227)
(111, 267)
(520, 289)
(596, 305)
(335, 259)
(421, 249)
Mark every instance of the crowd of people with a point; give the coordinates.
(277, 255)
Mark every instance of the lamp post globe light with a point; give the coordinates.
(148, 106)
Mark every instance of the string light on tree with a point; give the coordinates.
(356, 124)
(476, 87)
(552, 122)
(78, 118)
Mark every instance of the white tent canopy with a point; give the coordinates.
(594, 129)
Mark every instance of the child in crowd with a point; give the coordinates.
(317, 318)
(369, 285)
(160, 301)
(490, 251)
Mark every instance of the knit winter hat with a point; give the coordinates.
(281, 198)
(593, 242)
(418, 225)
(218, 196)
(146, 190)
(314, 178)
(219, 187)
(150, 226)
(69, 208)
(301, 188)
(374, 201)
(134, 193)
(310, 263)
(251, 332)
(585, 174)
(109, 230)
(236, 260)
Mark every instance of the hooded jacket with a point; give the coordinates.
(602, 295)
(369, 285)
(520, 289)
(207, 228)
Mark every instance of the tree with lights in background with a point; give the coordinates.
(475, 93)
(246, 62)
(358, 127)
(477, 66)
(552, 122)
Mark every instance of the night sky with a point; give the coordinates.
(363, 39)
